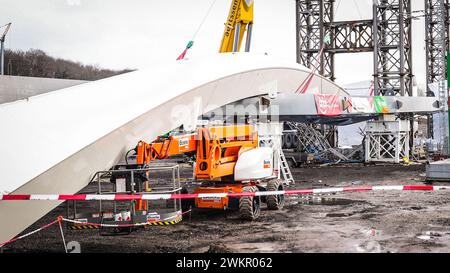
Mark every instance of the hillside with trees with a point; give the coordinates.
(36, 63)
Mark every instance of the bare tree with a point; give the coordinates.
(36, 63)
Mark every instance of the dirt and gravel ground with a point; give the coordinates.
(344, 222)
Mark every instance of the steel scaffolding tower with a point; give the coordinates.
(436, 38)
(392, 46)
(437, 47)
(387, 35)
(315, 20)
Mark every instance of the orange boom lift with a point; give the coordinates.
(217, 152)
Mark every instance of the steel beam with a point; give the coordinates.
(351, 36)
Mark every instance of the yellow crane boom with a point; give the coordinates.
(239, 21)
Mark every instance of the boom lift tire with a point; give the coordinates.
(275, 202)
(249, 206)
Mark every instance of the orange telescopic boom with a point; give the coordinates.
(217, 149)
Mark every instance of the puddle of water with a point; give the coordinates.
(339, 214)
(326, 201)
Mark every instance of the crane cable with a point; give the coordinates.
(191, 42)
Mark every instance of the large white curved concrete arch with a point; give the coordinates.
(55, 142)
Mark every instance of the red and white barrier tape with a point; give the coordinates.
(31, 232)
(60, 218)
(123, 197)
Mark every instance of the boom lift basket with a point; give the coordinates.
(124, 216)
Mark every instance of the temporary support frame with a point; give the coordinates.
(387, 141)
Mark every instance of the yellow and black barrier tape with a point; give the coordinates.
(78, 226)
(165, 223)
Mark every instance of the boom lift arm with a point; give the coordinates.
(217, 149)
(240, 20)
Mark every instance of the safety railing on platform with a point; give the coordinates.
(128, 180)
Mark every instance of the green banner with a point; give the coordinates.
(380, 104)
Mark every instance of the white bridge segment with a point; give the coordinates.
(53, 143)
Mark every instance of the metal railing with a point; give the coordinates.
(168, 185)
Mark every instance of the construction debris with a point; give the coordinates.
(311, 146)
(438, 170)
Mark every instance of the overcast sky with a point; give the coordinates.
(121, 34)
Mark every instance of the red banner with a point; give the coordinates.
(328, 105)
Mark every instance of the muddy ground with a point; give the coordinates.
(345, 222)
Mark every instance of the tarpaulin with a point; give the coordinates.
(328, 105)
(361, 105)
